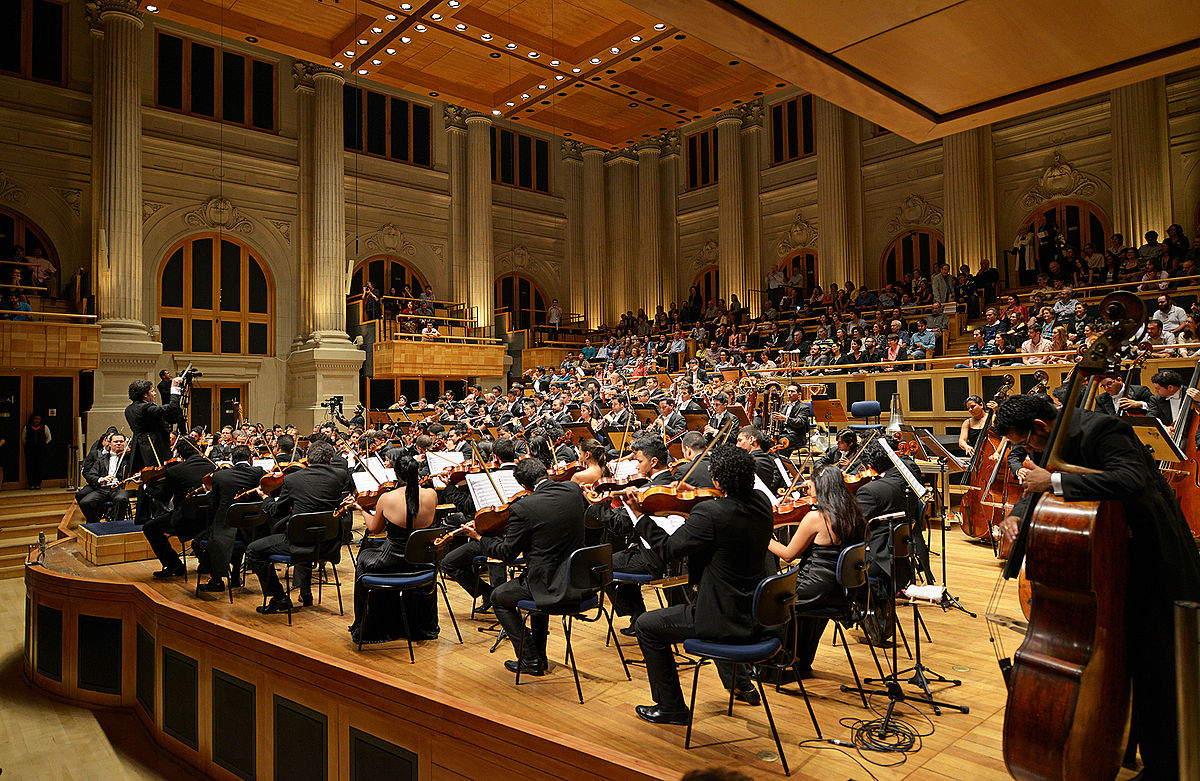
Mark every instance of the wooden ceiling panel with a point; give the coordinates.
(556, 29)
(824, 22)
(325, 30)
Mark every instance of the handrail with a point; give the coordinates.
(4, 313)
(443, 338)
(23, 288)
(1110, 286)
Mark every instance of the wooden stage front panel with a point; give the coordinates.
(241, 695)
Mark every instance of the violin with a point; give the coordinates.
(792, 510)
(607, 490)
(563, 472)
(674, 499)
(367, 500)
(148, 475)
(489, 521)
(272, 481)
(858, 479)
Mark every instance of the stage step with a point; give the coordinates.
(23, 515)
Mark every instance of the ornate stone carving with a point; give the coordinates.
(729, 114)
(219, 214)
(70, 197)
(627, 155)
(914, 211)
(752, 114)
(1060, 179)
(454, 116)
(285, 229)
(572, 149)
(149, 208)
(519, 259)
(10, 191)
(390, 240)
(800, 234)
(121, 6)
(707, 256)
(302, 73)
(91, 11)
(670, 142)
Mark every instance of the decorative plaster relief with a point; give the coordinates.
(913, 211)
(149, 208)
(1060, 179)
(70, 197)
(390, 240)
(219, 213)
(707, 256)
(519, 259)
(285, 229)
(799, 235)
(10, 191)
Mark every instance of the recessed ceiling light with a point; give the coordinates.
(377, 62)
(433, 94)
(541, 86)
(420, 28)
(576, 70)
(391, 17)
(152, 9)
(559, 77)
(510, 46)
(349, 52)
(405, 7)
(534, 55)
(510, 103)
(338, 65)
(554, 63)
(405, 39)
(436, 17)
(615, 50)
(494, 55)
(594, 61)
(636, 39)
(659, 26)
(362, 71)
(496, 111)
(460, 26)
(524, 96)
(363, 41)
(377, 30)
(486, 36)
(452, 3)
(390, 50)
(251, 39)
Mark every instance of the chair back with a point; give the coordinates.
(851, 567)
(312, 529)
(420, 548)
(773, 598)
(901, 539)
(865, 409)
(196, 508)
(245, 515)
(590, 569)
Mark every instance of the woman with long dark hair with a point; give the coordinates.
(834, 523)
(539, 448)
(408, 508)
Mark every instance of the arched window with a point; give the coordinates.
(709, 283)
(1079, 222)
(523, 299)
(216, 297)
(916, 251)
(387, 273)
(16, 230)
(805, 263)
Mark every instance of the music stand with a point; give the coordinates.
(645, 413)
(739, 412)
(578, 431)
(731, 375)
(1151, 433)
(696, 421)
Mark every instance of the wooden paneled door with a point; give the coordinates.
(56, 399)
(216, 406)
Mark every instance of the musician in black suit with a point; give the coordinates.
(687, 405)
(226, 484)
(654, 464)
(318, 487)
(150, 427)
(696, 468)
(178, 481)
(1117, 397)
(844, 449)
(718, 418)
(756, 443)
(1170, 394)
(104, 472)
(546, 527)
(1163, 562)
(794, 418)
(669, 422)
(725, 541)
(886, 494)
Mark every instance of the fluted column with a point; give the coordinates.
(119, 270)
(970, 221)
(304, 200)
(456, 137)
(329, 207)
(595, 247)
(668, 171)
(622, 235)
(731, 218)
(752, 135)
(572, 189)
(99, 102)
(839, 195)
(649, 283)
(1141, 166)
(481, 262)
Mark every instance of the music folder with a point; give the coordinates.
(1152, 434)
(619, 439)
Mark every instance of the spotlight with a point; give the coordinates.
(510, 46)
(436, 17)
(524, 96)
(349, 52)
(420, 28)
(377, 62)
(377, 30)
(576, 70)
(486, 36)
(362, 71)
(559, 77)
(338, 65)
(405, 7)
(251, 39)
(452, 3)
(660, 26)
(541, 86)
(533, 55)
(363, 41)
(391, 17)
(555, 63)
(496, 112)
(615, 50)
(510, 103)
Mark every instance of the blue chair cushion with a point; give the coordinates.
(279, 558)
(589, 602)
(821, 612)
(405, 580)
(631, 577)
(733, 652)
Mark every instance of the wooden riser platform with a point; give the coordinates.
(23, 514)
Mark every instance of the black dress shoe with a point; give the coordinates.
(306, 598)
(748, 696)
(628, 631)
(656, 715)
(212, 585)
(169, 572)
(276, 605)
(527, 668)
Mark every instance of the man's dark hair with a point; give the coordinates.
(162, 375)
(693, 440)
(875, 457)
(504, 450)
(1017, 413)
(763, 441)
(733, 468)
(1167, 377)
(424, 442)
(1061, 392)
(529, 473)
(139, 388)
(186, 447)
(652, 447)
(849, 436)
(285, 442)
(319, 436)
(240, 453)
(320, 453)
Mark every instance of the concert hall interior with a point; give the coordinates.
(496, 330)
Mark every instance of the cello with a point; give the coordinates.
(976, 514)
(1185, 476)
(1068, 685)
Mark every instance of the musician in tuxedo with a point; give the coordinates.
(227, 484)
(756, 443)
(696, 467)
(1170, 394)
(719, 418)
(545, 527)
(318, 487)
(150, 428)
(178, 481)
(687, 405)
(794, 418)
(1163, 562)
(1117, 397)
(669, 422)
(696, 373)
(618, 415)
(104, 473)
(840, 452)
(725, 542)
(886, 494)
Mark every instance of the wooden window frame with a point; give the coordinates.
(387, 129)
(713, 271)
(535, 290)
(802, 117)
(1035, 216)
(219, 84)
(533, 140)
(803, 258)
(894, 247)
(713, 160)
(217, 315)
(26, 71)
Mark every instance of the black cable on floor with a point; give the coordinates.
(880, 736)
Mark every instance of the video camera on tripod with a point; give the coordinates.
(334, 405)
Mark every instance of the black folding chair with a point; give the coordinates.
(245, 517)
(320, 533)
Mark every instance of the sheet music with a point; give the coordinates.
(482, 492)
(364, 482)
(375, 466)
(442, 459)
(668, 523)
(759, 485)
(623, 470)
(267, 464)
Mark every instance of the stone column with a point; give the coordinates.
(99, 104)
(621, 271)
(575, 281)
(595, 247)
(1140, 160)
(731, 217)
(481, 261)
(303, 72)
(456, 138)
(752, 135)
(668, 172)
(649, 282)
(127, 352)
(968, 177)
(839, 196)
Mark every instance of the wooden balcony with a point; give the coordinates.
(464, 357)
(48, 345)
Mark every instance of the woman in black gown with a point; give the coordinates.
(407, 508)
(834, 523)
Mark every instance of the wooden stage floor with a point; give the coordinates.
(961, 746)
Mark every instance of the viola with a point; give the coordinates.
(148, 475)
(272, 481)
(607, 490)
(489, 521)
(858, 479)
(674, 499)
(367, 500)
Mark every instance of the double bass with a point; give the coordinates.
(1068, 684)
(976, 513)
(1184, 477)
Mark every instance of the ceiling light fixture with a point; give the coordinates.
(377, 62)
(338, 65)
(152, 9)
(660, 26)
(405, 7)
(390, 50)
(420, 28)
(436, 17)
(510, 46)
(541, 86)
(251, 39)
(576, 70)
(362, 71)
(524, 96)
(510, 103)
(534, 55)
(615, 50)
(486, 36)
(496, 111)
(377, 30)
(363, 41)
(636, 39)
(452, 3)
(391, 17)
(349, 52)
(594, 61)
(405, 39)
(460, 26)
